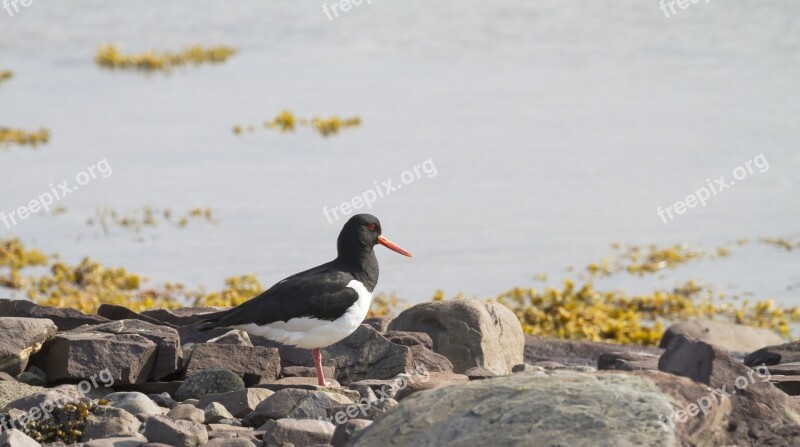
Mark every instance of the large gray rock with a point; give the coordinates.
(177, 433)
(168, 354)
(19, 339)
(65, 318)
(468, 332)
(299, 432)
(254, 365)
(726, 335)
(214, 380)
(565, 409)
(366, 354)
(110, 422)
(761, 414)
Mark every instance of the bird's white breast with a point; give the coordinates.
(311, 333)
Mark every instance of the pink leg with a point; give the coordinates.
(317, 356)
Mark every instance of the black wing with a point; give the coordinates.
(321, 293)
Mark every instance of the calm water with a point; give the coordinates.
(556, 128)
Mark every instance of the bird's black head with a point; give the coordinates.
(360, 234)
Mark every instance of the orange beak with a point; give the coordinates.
(394, 247)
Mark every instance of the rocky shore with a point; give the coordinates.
(442, 373)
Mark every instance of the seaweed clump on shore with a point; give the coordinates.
(110, 56)
(24, 137)
(286, 121)
(64, 423)
(584, 313)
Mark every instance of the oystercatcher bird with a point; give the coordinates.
(320, 306)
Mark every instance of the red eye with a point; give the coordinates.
(371, 227)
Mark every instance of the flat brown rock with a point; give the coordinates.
(76, 356)
(577, 352)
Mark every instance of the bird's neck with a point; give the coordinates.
(363, 265)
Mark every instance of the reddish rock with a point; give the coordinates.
(431, 360)
(366, 354)
(76, 356)
(255, 365)
(168, 350)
